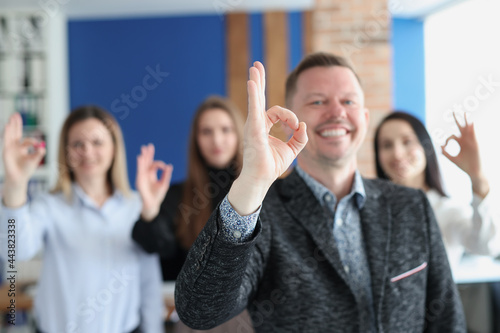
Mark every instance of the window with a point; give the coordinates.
(462, 57)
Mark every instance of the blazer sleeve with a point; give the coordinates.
(219, 277)
(444, 312)
(158, 235)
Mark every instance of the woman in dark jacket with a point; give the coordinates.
(170, 223)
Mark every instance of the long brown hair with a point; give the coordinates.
(117, 174)
(196, 204)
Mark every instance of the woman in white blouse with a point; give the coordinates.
(404, 154)
(94, 277)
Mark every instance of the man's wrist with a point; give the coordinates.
(245, 196)
(236, 228)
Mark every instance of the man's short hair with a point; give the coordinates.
(318, 59)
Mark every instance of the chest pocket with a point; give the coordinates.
(409, 281)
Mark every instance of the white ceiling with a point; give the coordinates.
(418, 8)
(134, 8)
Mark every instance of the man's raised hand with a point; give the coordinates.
(265, 157)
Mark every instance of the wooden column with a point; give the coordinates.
(276, 56)
(237, 59)
(276, 62)
(307, 36)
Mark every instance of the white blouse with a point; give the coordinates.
(472, 228)
(94, 277)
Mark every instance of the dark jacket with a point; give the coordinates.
(159, 235)
(290, 277)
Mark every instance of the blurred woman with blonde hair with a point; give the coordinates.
(92, 278)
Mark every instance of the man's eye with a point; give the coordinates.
(317, 103)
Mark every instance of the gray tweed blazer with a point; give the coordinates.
(289, 274)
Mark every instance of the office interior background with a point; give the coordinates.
(150, 63)
(426, 58)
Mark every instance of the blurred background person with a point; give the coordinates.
(173, 215)
(94, 277)
(404, 154)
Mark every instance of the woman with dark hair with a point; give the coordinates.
(92, 277)
(404, 154)
(173, 215)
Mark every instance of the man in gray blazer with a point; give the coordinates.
(326, 250)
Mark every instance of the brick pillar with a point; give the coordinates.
(359, 30)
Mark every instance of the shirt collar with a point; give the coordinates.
(85, 199)
(320, 191)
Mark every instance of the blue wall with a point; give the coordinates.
(295, 39)
(256, 38)
(113, 64)
(151, 74)
(409, 66)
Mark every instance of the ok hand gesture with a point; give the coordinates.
(265, 157)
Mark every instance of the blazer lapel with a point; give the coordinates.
(303, 206)
(377, 227)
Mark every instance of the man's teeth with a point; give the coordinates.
(333, 132)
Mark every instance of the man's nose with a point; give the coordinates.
(336, 109)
